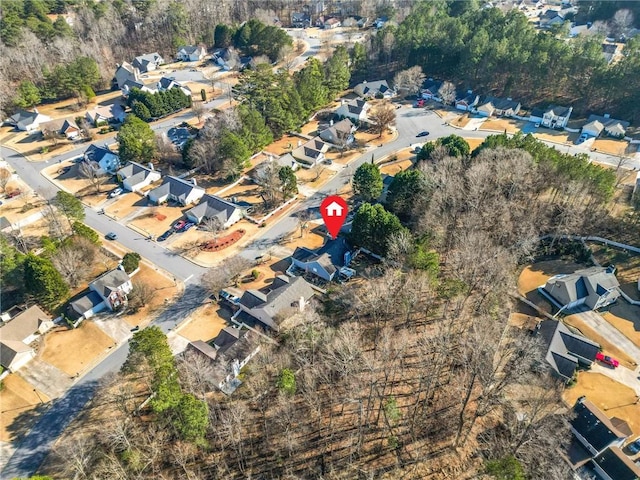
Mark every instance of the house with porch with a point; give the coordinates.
(339, 133)
(328, 262)
(377, 89)
(107, 161)
(355, 110)
(135, 177)
(184, 192)
(593, 287)
(430, 89)
(212, 206)
(18, 332)
(131, 84)
(506, 107)
(148, 62)
(310, 153)
(191, 53)
(108, 291)
(266, 307)
(166, 83)
(556, 116)
(467, 100)
(597, 124)
(103, 114)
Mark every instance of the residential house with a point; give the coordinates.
(26, 121)
(378, 89)
(340, 133)
(355, 110)
(215, 207)
(430, 89)
(327, 262)
(232, 349)
(498, 106)
(266, 307)
(131, 84)
(536, 115)
(148, 62)
(125, 72)
(466, 101)
(103, 114)
(551, 18)
(182, 191)
(556, 116)
(18, 333)
(300, 20)
(380, 22)
(310, 153)
(135, 177)
(593, 287)
(331, 23)
(566, 350)
(108, 291)
(596, 124)
(596, 444)
(168, 83)
(64, 127)
(191, 53)
(228, 59)
(108, 162)
(179, 136)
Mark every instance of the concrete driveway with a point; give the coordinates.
(45, 377)
(621, 375)
(595, 321)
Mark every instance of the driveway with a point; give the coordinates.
(595, 321)
(115, 326)
(621, 375)
(45, 377)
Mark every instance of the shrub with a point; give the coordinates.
(287, 381)
(255, 274)
(82, 230)
(130, 261)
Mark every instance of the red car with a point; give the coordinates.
(606, 359)
(179, 225)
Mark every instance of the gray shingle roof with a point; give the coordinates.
(558, 110)
(177, 187)
(24, 324)
(500, 103)
(135, 172)
(110, 282)
(141, 62)
(204, 348)
(613, 124)
(24, 116)
(589, 283)
(86, 302)
(371, 88)
(9, 349)
(213, 207)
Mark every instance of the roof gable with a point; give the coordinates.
(593, 425)
(24, 324)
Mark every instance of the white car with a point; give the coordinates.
(115, 193)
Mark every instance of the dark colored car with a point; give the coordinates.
(634, 447)
(165, 235)
(422, 134)
(187, 226)
(111, 236)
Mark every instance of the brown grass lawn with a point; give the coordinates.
(125, 205)
(164, 288)
(69, 107)
(313, 238)
(396, 167)
(537, 274)
(344, 158)
(461, 121)
(266, 273)
(73, 351)
(280, 147)
(314, 177)
(613, 398)
(612, 146)
(626, 318)
(18, 396)
(365, 137)
(558, 136)
(502, 124)
(149, 219)
(245, 191)
(205, 323)
(74, 183)
(608, 347)
(310, 128)
(20, 207)
(474, 142)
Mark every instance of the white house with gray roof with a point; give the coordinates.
(135, 177)
(310, 153)
(18, 333)
(184, 192)
(148, 62)
(108, 291)
(355, 110)
(215, 207)
(556, 116)
(166, 83)
(191, 53)
(126, 72)
(597, 124)
(594, 287)
(27, 121)
(131, 84)
(340, 133)
(376, 89)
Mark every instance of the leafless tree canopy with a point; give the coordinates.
(409, 80)
(447, 93)
(92, 172)
(383, 116)
(5, 176)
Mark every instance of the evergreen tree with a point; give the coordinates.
(289, 181)
(27, 95)
(136, 141)
(310, 85)
(367, 182)
(336, 71)
(44, 282)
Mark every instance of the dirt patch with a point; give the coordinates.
(312, 238)
(265, 273)
(613, 398)
(164, 289)
(205, 323)
(502, 124)
(310, 128)
(18, 397)
(626, 319)
(612, 146)
(474, 142)
(245, 191)
(21, 207)
(608, 347)
(149, 223)
(73, 351)
(373, 138)
(285, 145)
(223, 242)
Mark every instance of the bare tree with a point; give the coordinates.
(383, 116)
(141, 294)
(214, 226)
(71, 259)
(92, 172)
(216, 278)
(52, 136)
(621, 22)
(447, 93)
(166, 150)
(287, 56)
(409, 80)
(5, 177)
(266, 176)
(197, 108)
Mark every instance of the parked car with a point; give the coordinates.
(165, 235)
(115, 193)
(13, 193)
(634, 447)
(111, 236)
(187, 226)
(424, 133)
(420, 103)
(601, 357)
(581, 138)
(179, 225)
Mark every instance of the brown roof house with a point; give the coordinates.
(230, 351)
(340, 133)
(18, 333)
(594, 288)
(66, 127)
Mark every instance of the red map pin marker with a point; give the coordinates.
(334, 212)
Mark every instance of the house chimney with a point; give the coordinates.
(607, 115)
(301, 304)
(35, 110)
(299, 143)
(193, 180)
(364, 81)
(331, 123)
(151, 166)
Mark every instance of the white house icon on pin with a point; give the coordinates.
(334, 209)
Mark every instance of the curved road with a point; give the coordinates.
(36, 444)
